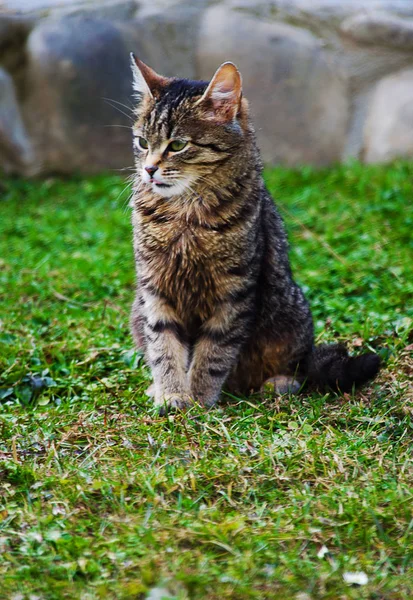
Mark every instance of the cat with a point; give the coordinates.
(216, 304)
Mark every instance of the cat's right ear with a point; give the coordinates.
(222, 98)
(146, 82)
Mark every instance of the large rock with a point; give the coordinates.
(168, 36)
(110, 9)
(331, 12)
(379, 29)
(298, 97)
(79, 104)
(388, 132)
(366, 37)
(12, 27)
(314, 70)
(16, 152)
(79, 108)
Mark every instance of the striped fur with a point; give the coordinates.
(216, 303)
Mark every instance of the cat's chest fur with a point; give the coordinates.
(186, 262)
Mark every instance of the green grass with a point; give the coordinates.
(102, 498)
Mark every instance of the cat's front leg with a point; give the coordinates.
(166, 353)
(217, 351)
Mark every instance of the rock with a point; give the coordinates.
(16, 153)
(380, 29)
(12, 26)
(331, 12)
(14, 30)
(169, 35)
(80, 102)
(314, 71)
(298, 98)
(110, 9)
(79, 105)
(388, 131)
(31, 5)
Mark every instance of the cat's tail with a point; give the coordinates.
(330, 366)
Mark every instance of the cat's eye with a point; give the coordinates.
(177, 145)
(143, 144)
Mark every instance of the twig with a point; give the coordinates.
(14, 449)
(63, 298)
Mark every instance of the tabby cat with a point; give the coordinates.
(216, 303)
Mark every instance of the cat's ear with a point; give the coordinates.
(146, 82)
(222, 97)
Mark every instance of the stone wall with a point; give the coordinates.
(326, 79)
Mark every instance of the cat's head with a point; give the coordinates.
(186, 130)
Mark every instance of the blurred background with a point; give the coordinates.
(327, 79)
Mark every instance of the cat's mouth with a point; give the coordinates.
(173, 187)
(166, 190)
(161, 185)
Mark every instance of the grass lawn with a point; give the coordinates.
(266, 498)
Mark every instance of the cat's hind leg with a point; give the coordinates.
(269, 366)
(281, 384)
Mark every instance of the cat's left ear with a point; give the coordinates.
(222, 97)
(146, 82)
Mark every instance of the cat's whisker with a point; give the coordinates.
(131, 108)
(128, 204)
(207, 180)
(119, 110)
(131, 169)
(121, 126)
(127, 187)
(190, 187)
(183, 185)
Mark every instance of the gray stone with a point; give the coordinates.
(381, 29)
(79, 105)
(31, 5)
(14, 30)
(12, 26)
(388, 131)
(113, 10)
(16, 153)
(314, 71)
(298, 98)
(110, 9)
(169, 36)
(308, 12)
(80, 102)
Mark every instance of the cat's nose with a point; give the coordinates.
(151, 170)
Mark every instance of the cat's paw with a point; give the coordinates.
(281, 384)
(173, 402)
(150, 391)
